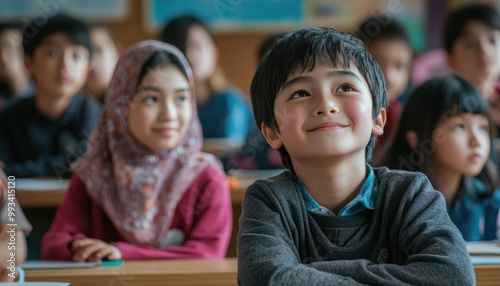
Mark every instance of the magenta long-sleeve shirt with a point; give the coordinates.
(203, 214)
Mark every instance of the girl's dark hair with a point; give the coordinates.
(436, 99)
(161, 59)
(176, 31)
(375, 28)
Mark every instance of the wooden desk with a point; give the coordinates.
(219, 146)
(487, 275)
(146, 272)
(53, 198)
(37, 193)
(181, 272)
(39, 199)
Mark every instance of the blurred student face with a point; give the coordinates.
(161, 109)
(58, 66)
(462, 144)
(11, 56)
(476, 54)
(104, 59)
(394, 58)
(201, 53)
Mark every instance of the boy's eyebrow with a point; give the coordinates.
(334, 73)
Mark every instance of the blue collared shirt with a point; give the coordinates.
(363, 201)
(475, 212)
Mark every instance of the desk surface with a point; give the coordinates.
(53, 198)
(487, 275)
(146, 272)
(181, 272)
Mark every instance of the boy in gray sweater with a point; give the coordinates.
(320, 98)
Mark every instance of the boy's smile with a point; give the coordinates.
(324, 112)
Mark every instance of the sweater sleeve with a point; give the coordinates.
(211, 231)
(267, 255)
(434, 247)
(71, 222)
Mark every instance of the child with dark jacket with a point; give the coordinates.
(43, 134)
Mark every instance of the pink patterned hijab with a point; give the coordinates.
(137, 188)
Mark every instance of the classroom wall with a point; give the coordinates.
(239, 51)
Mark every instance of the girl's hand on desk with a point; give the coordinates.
(89, 249)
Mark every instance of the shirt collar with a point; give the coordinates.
(365, 200)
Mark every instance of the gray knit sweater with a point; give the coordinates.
(407, 239)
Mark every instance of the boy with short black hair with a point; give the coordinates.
(319, 98)
(390, 46)
(472, 41)
(42, 135)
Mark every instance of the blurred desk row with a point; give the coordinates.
(181, 272)
(35, 193)
(186, 272)
(50, 193)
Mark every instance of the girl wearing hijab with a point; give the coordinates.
(144, 190)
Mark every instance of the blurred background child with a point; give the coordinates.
(223, 110)
(472, 43)
(42, 134)
(391, 48)
(104, 57)
(144, 190)
(14, 77)
(255, 153)
(444, 132)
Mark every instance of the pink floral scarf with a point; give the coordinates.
(139, 189)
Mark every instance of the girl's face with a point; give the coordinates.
(462, 143)
(161, 110)
(201, 53)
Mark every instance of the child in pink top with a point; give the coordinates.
(144, 190)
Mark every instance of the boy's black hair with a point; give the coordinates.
(161, 60)
(457, 19)
(176, 31)
(76, 30)
(302, 49)
(436, 99)
(374, 28)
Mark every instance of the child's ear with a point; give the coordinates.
(379, 122)
(272, 137)
(412, 139)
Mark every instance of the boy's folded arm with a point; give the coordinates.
(434, 247)
(266, 256)
(71, 222)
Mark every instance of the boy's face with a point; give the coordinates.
(394, 58)
(324, 112)
(58, 66)
(476, 54)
